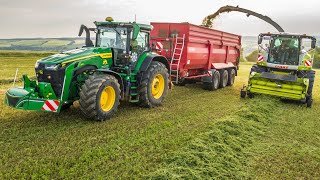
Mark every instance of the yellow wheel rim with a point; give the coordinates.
(108, 98)
(157, 86)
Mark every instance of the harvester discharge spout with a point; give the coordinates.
(207, 21)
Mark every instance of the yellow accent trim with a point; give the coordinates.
(102, 55)
(107, 98)
(157, 86)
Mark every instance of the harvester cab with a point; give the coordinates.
(284, 67)
(118, 65)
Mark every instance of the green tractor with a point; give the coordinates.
(284, 67)
(120, 65)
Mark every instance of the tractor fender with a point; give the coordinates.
(153, 57)
(117, 76)
(83, 69)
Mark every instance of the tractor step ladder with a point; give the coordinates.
(176, 58)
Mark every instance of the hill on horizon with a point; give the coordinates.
(249, 44)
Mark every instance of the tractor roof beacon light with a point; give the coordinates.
(109, 19)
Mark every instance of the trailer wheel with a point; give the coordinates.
(100, 97)
(154, 85)
(231, 75)
(223, 78)
(214, 85)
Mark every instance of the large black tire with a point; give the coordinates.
(214, 85)
(223, 78)
(231, 76)
(155, 72)
(92, 97)
(311, 75)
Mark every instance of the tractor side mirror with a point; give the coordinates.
(259, 40)
(313, 44)
(88, 42)
(81, 30)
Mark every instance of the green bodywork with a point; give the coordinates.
(61, 76)
(281, 79)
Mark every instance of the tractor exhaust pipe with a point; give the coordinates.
(88, 42)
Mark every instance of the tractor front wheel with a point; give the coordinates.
(100, 97)
(154, 85)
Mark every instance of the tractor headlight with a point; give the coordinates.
(134, 57)
(36, 65)
(51, 66)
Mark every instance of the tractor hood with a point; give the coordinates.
(69, 56)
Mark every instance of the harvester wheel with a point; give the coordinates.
(214, 85)
(309, 102)
(231, 75)
(311, 76)
(100, 96)
(250, 95)
(223, 78)
(243, 93)
(154, 85)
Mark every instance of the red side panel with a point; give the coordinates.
(204, 48)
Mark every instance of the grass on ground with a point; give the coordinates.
(195, 134)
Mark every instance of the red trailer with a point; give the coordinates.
(197, 53)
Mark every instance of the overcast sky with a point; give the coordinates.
(62, 18)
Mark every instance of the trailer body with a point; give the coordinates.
(203, 50)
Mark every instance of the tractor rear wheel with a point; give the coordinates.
(214, 85)
(100, 97)
(223, 78)
(232, 76)
(154, 85)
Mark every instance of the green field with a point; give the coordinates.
(196, 134)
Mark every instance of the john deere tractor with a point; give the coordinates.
(284, 67)
(120, 65)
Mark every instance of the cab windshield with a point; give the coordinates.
(284, 51)
(113, 37)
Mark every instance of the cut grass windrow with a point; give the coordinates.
(223, 151)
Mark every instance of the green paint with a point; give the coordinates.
(70, 69)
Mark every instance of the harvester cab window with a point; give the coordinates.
(306, 52)
(264, 47)
(284, 51)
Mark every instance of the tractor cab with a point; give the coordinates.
(286, 51)
(127, 40)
